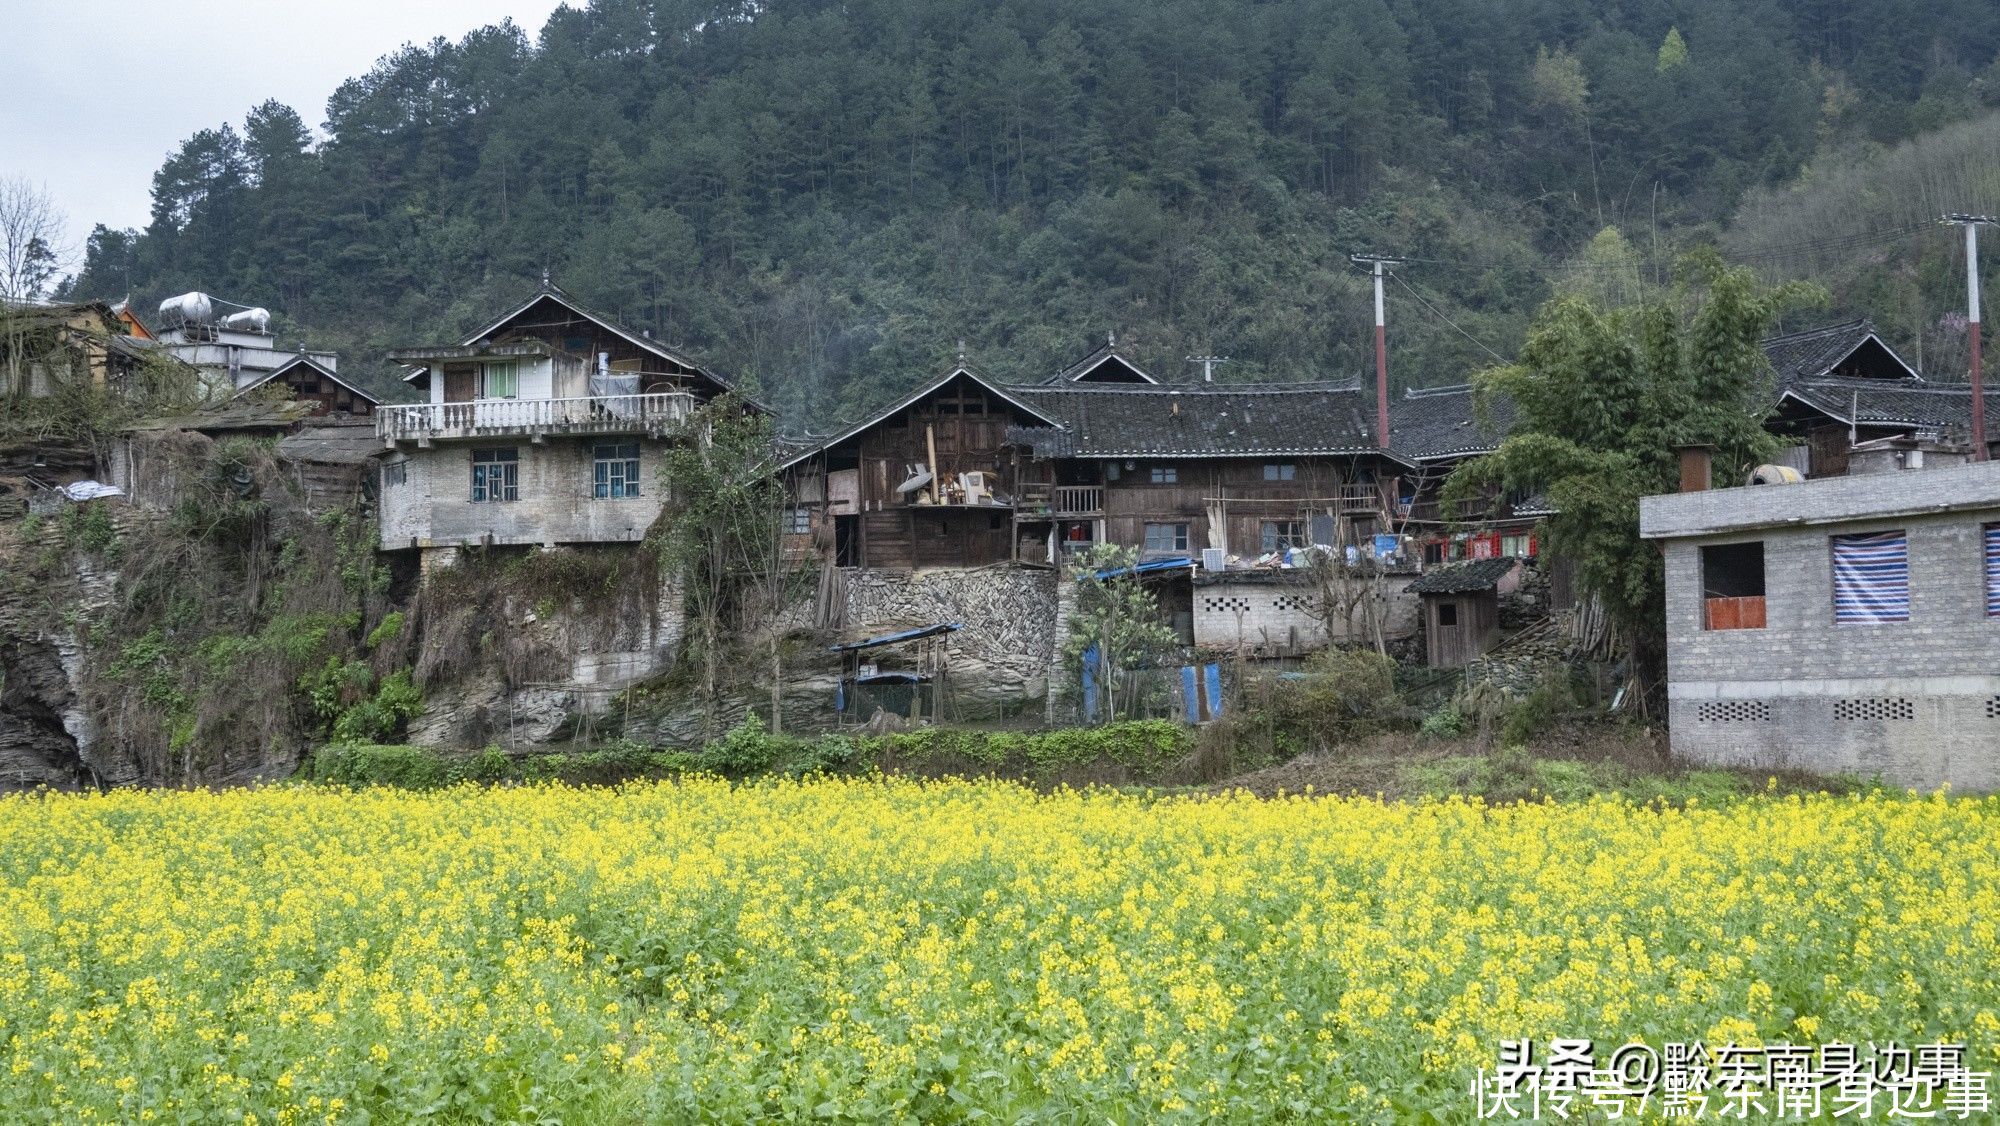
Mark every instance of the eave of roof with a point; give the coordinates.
(1464, 578)
(307, 361)
(1103, 355)
(553, 293)
(961, 369)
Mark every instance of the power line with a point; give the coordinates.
(1447, 320)
(1839, 244)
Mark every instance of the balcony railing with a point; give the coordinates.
(480, 418)
(1361, 500)
(1078, 500)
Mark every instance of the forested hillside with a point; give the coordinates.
(823, 197)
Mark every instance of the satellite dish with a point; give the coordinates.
(919, 477)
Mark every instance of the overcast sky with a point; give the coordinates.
(96, 94)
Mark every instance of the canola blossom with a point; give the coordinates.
(882, 950)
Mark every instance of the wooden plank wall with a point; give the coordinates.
(1456, 646)
(969, 428)
(1133, 501)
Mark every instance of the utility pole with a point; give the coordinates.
(1208, 364)
(1972, 223)
(1380, 262)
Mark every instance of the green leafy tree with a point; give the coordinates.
(719, 535)
(1603, 397)
(1120, 618)
(821, 197)
(1673, 51)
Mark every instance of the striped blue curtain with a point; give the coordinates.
(1871, 578)
(1993, 570)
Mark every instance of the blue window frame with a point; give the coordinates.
(616, 470)
(496, 475)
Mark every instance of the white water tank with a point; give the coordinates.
(188, 308)
(249, 320)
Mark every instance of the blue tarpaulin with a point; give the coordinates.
(1090, 684)
(1871, 578)
(1201, 692)
(1155, 566)
(893, 638)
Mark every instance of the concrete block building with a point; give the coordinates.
(546, 427)
(1841, 624)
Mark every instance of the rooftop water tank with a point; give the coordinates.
(249, 320)
(188, 308)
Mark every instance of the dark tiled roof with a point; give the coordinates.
(1091, 362)
(1464, 578)
(333, 441)
(1823, 351)
(1444, 422)
(1881, 402)
(253, 413)
(1213, 420)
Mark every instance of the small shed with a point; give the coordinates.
(866, 688)
(1461, 608)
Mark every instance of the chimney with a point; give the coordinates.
(1697, 472)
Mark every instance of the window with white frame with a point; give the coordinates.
(496, 475)
(1166, 475)
(798, 521)
(1280, 471)
(1166, 537)
(503, 381)
(615, 470)
(395, 473)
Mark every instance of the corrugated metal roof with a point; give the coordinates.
(893, 638)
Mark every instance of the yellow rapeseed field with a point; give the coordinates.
(881, 950)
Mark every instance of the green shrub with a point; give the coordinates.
(389, 629)
(1337, 695)
(1144, 746)
(420, 768)
(1535, 712)
(748, 748)
(375, 764)
(1447, 722)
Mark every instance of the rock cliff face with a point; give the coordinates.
(500, 665)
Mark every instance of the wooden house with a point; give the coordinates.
(48, 346)
(1842, 385)
(1438, 429)
(311, 381)
(1461, 609)
(966, 471)
(931, 481)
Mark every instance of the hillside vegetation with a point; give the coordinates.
(825, 197)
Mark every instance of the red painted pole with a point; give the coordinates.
(1972, 335)
(1381, 367)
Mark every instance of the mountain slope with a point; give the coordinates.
(823, 197)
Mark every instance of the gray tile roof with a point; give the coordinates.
(1464, 578)
(1105, 353)
(1209, 420)
(1883, 402)
(1849, 349)
(1445, 422)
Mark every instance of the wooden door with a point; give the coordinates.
(458, 381)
